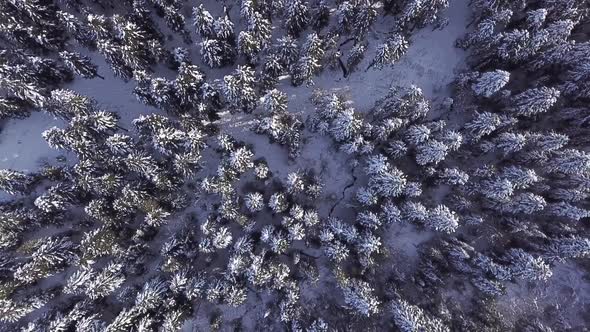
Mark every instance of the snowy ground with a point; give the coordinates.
(21, 145)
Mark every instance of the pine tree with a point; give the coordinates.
(221, 238)
(454, 176)
(12, 107)
(414, 212)
(369, 219)
(287, 50)
(114, 56)
(497, 189)
(203, 21)
(49, 257)
(490, 83)
(309, 63)
(55, 200)
(14, 182)
(527, 203)
(416, 134)
(534, 101)
(151, 296)
(261, 170)
(98, 243)
(431, 151)
(569, 161)
(366, 196)
(283, 127)
(524, 265)
(68, 104)
(442, 219)
(510, 142)
(79, 280)
(410, 318)
(105, 282)
(275, 101)
(569, 247)
(278, 202)
(390, 52)
(489, 287)
(345, 126)
(355, 56)
(386, 181)
(296, 16)
(248, 46)
(365, 14)
(569, 211)
(188, 83)
(483, 124)
(79, 64)
(411, 11)
(520, 177)
(359, 297)
(26, 91)
(536, 18)
(254, 201)
(124, 321)
(223, 28)
(212, 53)
(239, 89)
(241, 159)
(12, 311)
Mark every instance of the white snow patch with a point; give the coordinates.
(22, 147)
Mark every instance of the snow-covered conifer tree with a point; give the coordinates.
(212, 53)
(490, 82)
(534, 101)
(278, 202)
(241, 159)
(527, 203)
(442, 219)
(569, 161)
(454, 176)
(567, 210)
(79, 64)
(389, 52)
(254, 201)
(569, 247)
(388, 183)
(239, 90)
(275, 101)
(524, 265)
(416, 134)
(413, 212)
(431, 152)
(366, 196)
(296, 16)
(410, 318)
(359, 297)
(369, 219)
(14, 182)
(483, 124)
(203, 21)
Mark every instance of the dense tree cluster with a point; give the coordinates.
(180, 217)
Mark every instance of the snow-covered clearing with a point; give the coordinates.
(21, 145)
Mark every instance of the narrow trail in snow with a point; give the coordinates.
(343, 194)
